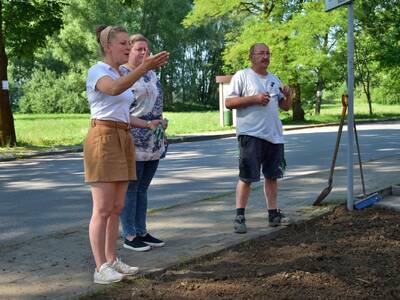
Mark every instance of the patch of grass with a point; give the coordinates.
(51, 130)
(331, 113)
(193, 122)
(46, 131)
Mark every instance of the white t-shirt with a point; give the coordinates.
(258, 120)
(102, 106)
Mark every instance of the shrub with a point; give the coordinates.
(47, 93)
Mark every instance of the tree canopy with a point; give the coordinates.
(24, 26)
(308, 45)
(49, 45)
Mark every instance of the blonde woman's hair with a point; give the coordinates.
(105, 34)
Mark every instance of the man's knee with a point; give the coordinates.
(245, 181)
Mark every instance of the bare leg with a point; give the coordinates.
(104, 196)
(113, 221)
(242, 194)
(271, 193)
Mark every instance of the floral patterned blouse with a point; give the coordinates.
(147, 105)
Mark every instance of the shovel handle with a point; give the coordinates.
(344, 99)
(344, 104)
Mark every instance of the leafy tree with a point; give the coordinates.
(189, 77)
(59, 69)
(23, 28)
(376, 45)
(195, 53)
(311, 45)
(388, 90)
(380, 20)
(302, 39)
(365, 65)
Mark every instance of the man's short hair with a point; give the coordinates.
(251, 51)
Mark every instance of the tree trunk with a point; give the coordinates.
(369, 99)
(298, 112)
(167, 90)
(318, 98)
(364, 74)
(7, 130)
(368, 91)
(318, 104)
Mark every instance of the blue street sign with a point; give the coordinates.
(332, 4)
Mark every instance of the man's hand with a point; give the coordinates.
(286, 102)
(285, 91)
(262, 99)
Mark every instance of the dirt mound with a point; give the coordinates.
(343, 255)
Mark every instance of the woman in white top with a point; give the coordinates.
(109, 150)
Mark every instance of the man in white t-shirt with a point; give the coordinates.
(257, 95)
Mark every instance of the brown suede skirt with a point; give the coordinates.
(109, 152)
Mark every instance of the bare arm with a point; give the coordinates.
(239, 102)
(113, 87)
(139, 123)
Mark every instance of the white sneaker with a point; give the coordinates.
(123, 268)
(107, 274)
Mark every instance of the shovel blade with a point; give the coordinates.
(325, 192)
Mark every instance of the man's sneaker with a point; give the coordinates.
(151, 241)
(239, 224)
(123, 268)
(106, 275)
(136, 245)
(278, 219)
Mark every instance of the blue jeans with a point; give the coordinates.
(133, 216)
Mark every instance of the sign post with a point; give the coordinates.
(350, 116)
(329, 5)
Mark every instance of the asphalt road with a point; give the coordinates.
(45, 195)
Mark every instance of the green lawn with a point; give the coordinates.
(331, 112)
(45, 130)
(58, 130)
(50, 129)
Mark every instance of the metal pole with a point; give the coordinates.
(350, 115)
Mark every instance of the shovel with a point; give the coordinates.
(328, 189)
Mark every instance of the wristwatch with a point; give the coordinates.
(148, 124)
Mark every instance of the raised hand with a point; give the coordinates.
(156, 61)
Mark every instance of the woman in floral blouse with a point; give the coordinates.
(148, 106)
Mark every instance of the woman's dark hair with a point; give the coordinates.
(105, 34)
